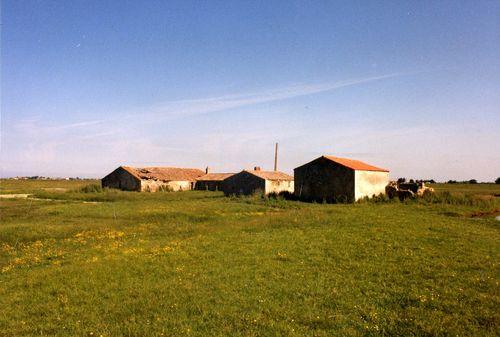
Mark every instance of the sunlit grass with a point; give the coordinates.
(482, 189)
(118, 263)
(11, 186)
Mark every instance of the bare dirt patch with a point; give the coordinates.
(14, 196)
(29, 196)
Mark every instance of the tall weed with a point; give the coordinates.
(92, 188)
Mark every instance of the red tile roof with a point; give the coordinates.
(271, 175)
(165, 173)
(214, 176)
(355, 164)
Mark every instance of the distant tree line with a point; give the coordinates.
(471, 181)
(432, 181)
(47, 178)
(411, 181)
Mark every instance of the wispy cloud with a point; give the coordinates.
(190, 107)
(197, 106)
(37, 125)
(129, 138)
(75, 125)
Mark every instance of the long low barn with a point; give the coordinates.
(152, 179)
(339, 179)
(212, 181)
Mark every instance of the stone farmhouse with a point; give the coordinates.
(212, 181)
(333, 179)
(152, 179)
(248, 182)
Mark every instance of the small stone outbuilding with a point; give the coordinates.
(152, 179)
(249, 182)
(333, 179)
(212, 181)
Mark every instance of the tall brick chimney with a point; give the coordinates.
(276, 158)
(207, 170)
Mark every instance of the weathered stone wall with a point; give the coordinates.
(323, 179)
(370, 183)
(243, 183)
(278, 186)
(121, 179)
(157, 185)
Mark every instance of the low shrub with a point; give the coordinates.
(455, 199)
(284, 195)
(447, 198)
(377, 199)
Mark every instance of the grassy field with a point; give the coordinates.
(11, 186)
(199, 264)
(485, 189)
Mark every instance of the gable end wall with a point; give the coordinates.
(121, 179)
(243, 183)
(370, 183)
(323, 179)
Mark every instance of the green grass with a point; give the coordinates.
(11, 186)
(117, 263)
(483, 189)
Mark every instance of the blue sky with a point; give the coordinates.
(90, 85)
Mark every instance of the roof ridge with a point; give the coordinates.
(216, 176)
(165, 173)
(354, 164)
(166, 167)
(263, 174)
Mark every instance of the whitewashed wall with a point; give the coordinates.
(155, 185)
(369, 183)
(275, 186)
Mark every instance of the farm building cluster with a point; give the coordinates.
(326, 178)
